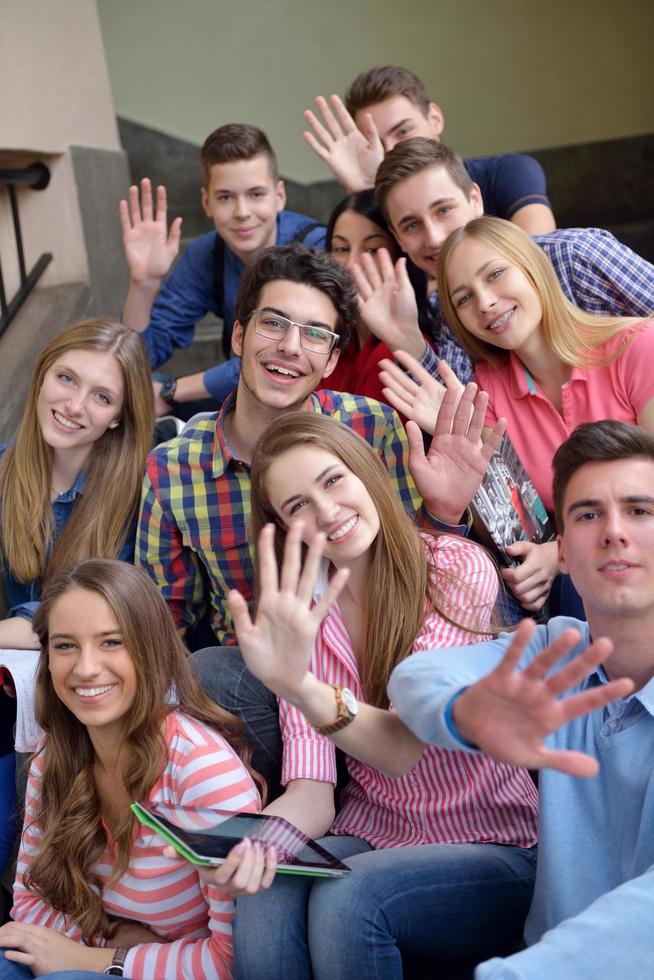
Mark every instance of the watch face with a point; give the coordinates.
(350, 701)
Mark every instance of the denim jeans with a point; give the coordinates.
(223, 676)
(8, 810)
(440, 902)
(16, 971)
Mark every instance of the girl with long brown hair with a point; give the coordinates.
(448, 840)
(70, 484)
(124, 720)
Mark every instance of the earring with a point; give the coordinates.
(114, 424)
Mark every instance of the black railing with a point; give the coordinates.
(36, 176)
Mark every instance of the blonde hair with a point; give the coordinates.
(104, 512)
(571, 333)
(398, 579)
(69, 810)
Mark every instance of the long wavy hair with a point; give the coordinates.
(104, 512)
(399, 580)
(69, 814)
(571, 333)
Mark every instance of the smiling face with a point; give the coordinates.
(243, 200)
(92, 671)
(424, 209)
(355, 235)
(398, 119)
(493, 298)
(607, 542)
(281, 373)
(310, 484)
(81, 396)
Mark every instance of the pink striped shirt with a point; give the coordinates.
(448, 797)
(193, 918)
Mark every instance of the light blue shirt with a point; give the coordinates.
(592, 915)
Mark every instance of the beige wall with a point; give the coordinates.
(509, 74)
(54, 88)
(54, 92)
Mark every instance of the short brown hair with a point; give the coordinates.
(378, 84)
(412, 157)
(309, 267)
(235, 141)
(596, 442)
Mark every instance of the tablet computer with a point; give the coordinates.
(205, 837)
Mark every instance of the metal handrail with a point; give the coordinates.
(36, 176)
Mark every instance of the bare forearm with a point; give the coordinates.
(307, 804)
(191, 388)
(138, 304)
(376, 736)
(17, 634)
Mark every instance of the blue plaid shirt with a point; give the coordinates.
(596, 272)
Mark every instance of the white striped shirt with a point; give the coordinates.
(448, 797)
(193, 918)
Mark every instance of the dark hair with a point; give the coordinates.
(411, 157)
(596, 442)
(235, 141)
(364, 203)
(309, 267)
(378, 84)
(360, 202)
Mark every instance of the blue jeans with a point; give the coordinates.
(8, 811)
(16, 971)
(442, 902)
(223, 676)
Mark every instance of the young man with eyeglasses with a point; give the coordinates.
(245, 199)
(294, 313)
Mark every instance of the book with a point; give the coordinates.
(205, 837)
(506, 507)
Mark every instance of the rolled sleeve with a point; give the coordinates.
(184, 299)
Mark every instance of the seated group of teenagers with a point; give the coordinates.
(283, 607)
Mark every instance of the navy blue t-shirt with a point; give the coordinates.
(508, 183)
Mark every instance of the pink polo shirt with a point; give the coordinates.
(618, 391)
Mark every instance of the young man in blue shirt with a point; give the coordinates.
(593, 904)
(244, 197)
(388, 104)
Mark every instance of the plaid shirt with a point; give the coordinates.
(595, 271)
(193, 528)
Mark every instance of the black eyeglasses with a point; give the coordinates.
(319, 340)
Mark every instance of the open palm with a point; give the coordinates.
(150, 248)
(353, 156)
(277, 645)
(448, 475)
(509, 713)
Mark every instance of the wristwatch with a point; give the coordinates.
(348, 709)
(117, 965)
(167, 390)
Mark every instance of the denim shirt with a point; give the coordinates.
(23, 598)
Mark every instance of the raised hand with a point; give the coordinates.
(418, 395)
(150, 247)
(277, 646)
(448, 476)
(531, 580)
(509, 713)
(352, 155)
(387, 302)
